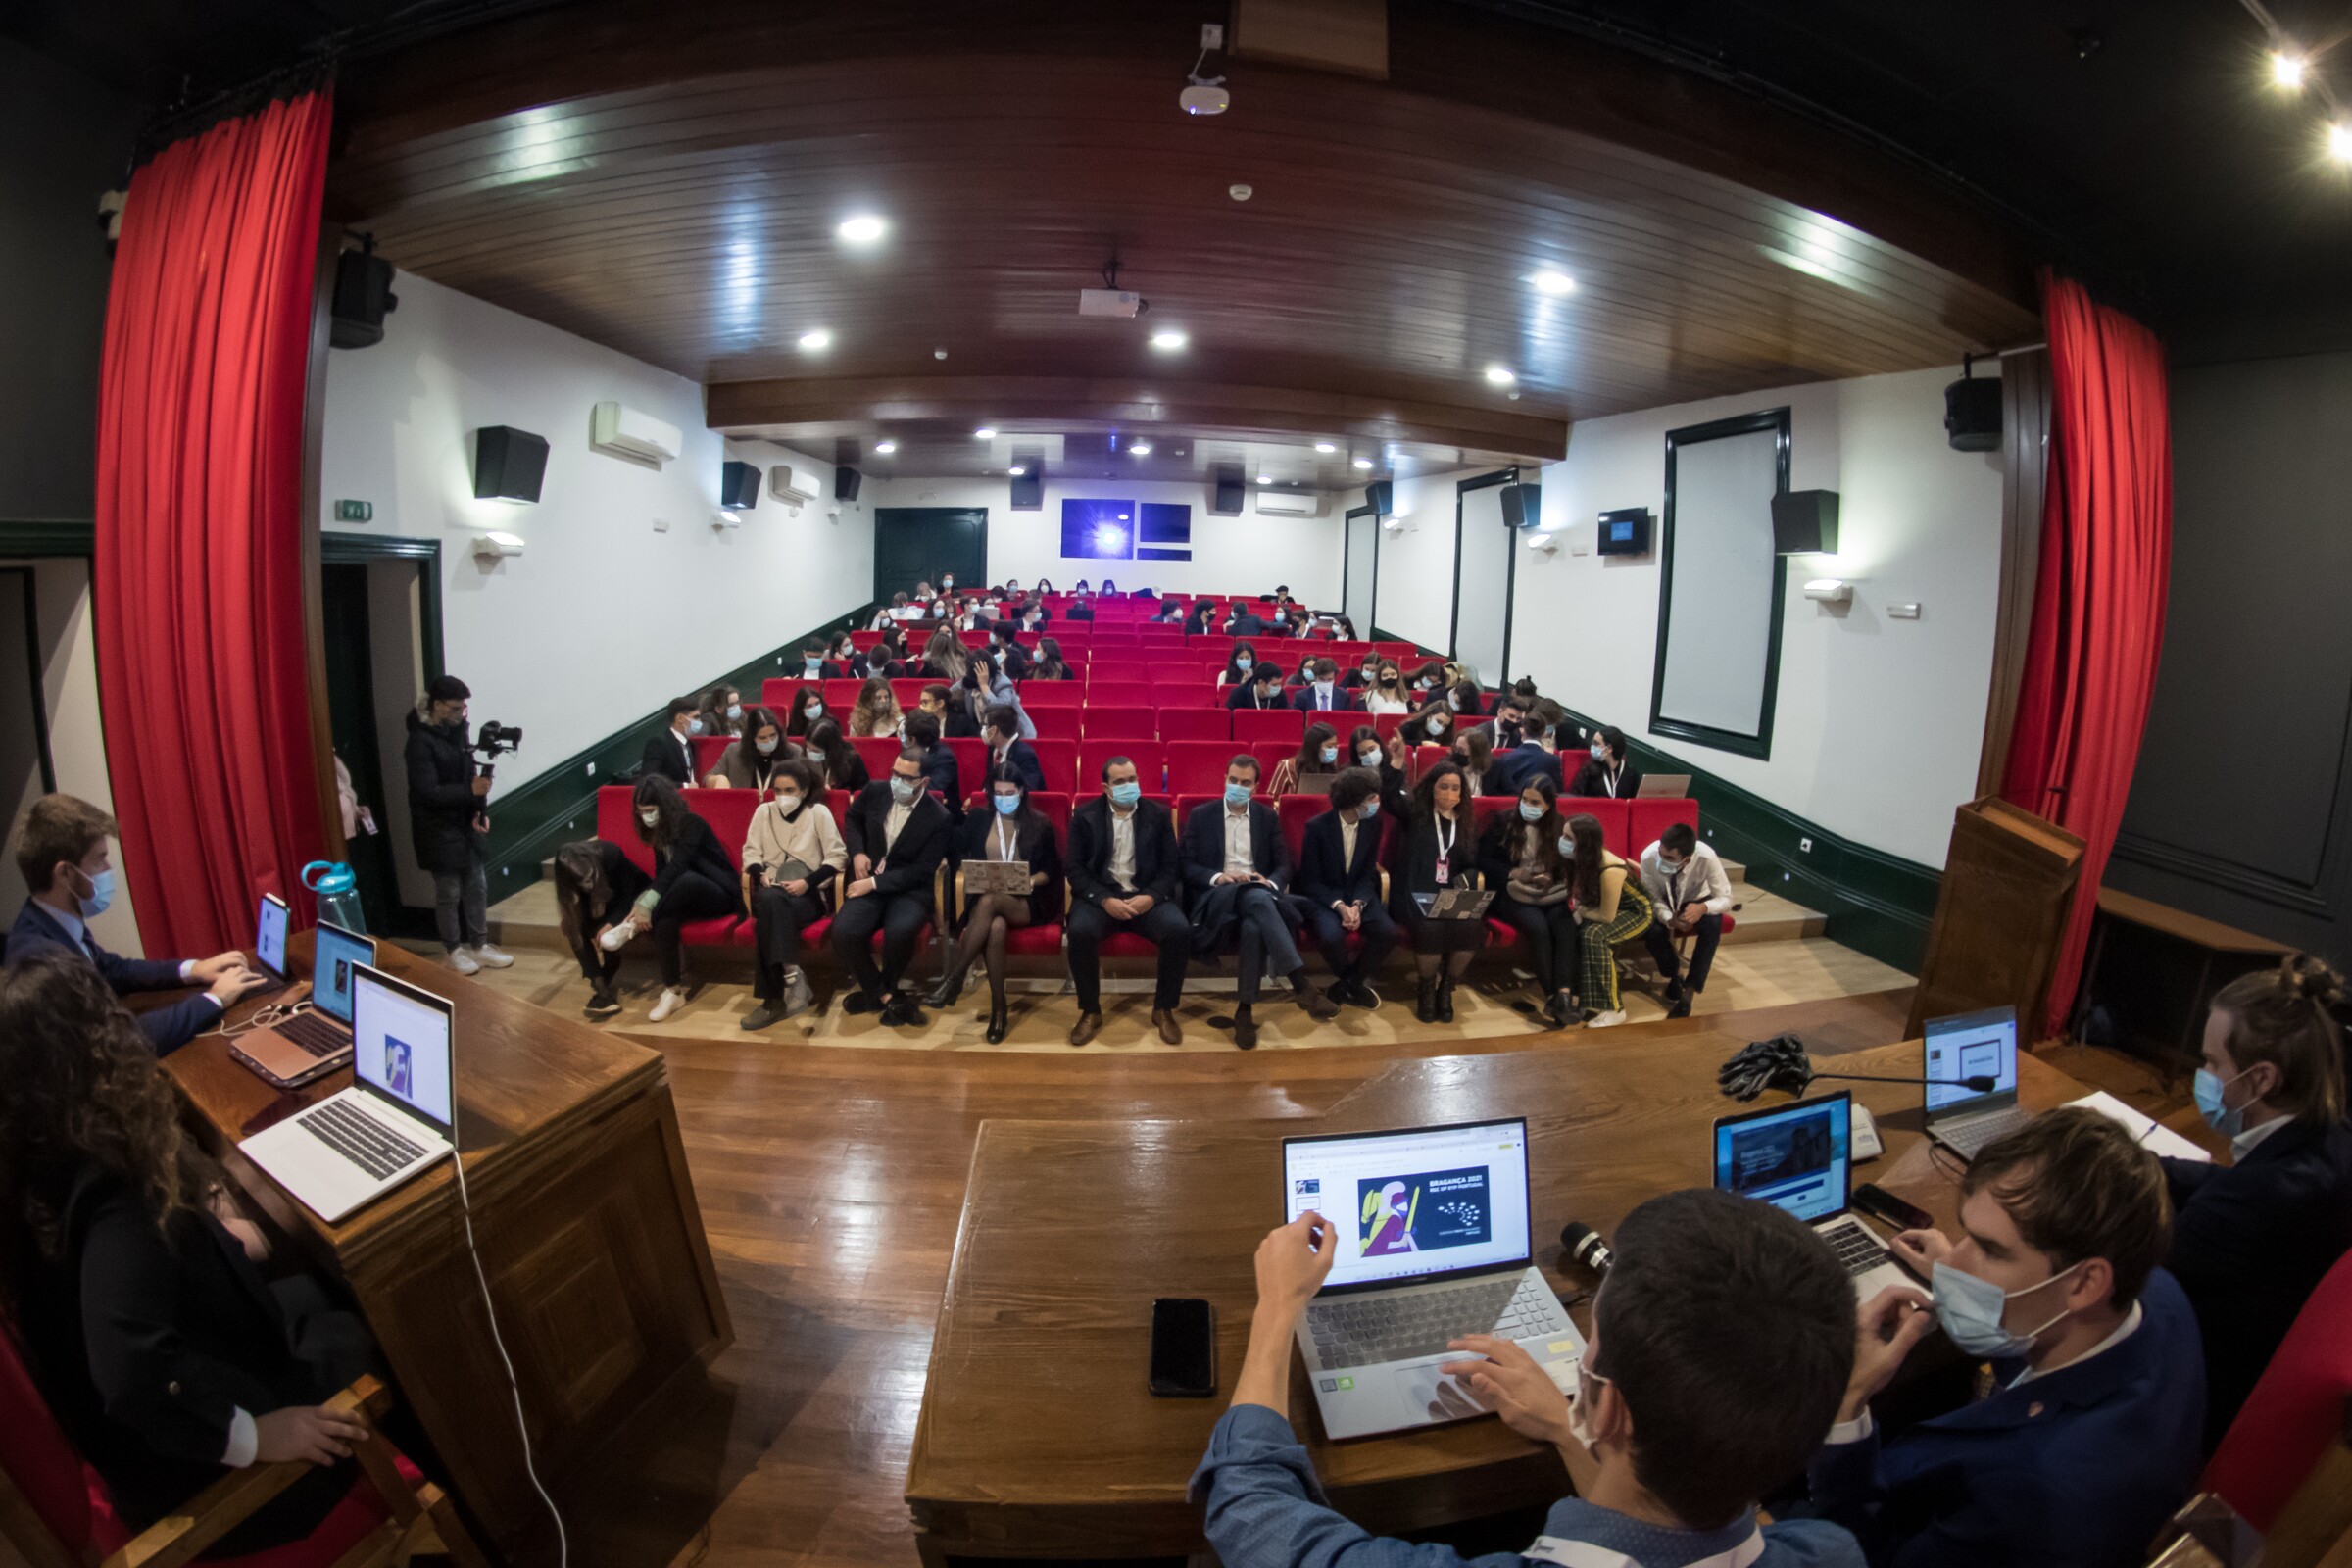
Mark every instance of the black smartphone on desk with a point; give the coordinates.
(1879, 1203)
(1183, 1347)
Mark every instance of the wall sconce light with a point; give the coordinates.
(1830, 590)
(496, 547)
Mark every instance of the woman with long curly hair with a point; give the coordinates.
(877, 711)
(157, 1342)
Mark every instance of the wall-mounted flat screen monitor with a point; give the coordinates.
(1625, 531)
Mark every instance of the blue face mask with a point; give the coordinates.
(2208, 1090)
(1243, 662)
(1530, 812)
(812, 665)
(1970, 1309)
(1567, 848)
(905, 790)
(101, 894)
(1006, 805)
(734, 710)
(694, 726)
(816, 754)
(1371, 810)
(1126, 794)
(766, 747)
(1331, 755)
(1237, 795)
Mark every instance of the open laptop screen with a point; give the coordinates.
(1972, 1045)
(1795, 1157)
(400, 1038)
(1415, 1204)
(269, 937)
(331, 962)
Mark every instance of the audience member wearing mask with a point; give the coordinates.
(1686, 882)
(1260, 688)
(694, 879)
(837, 762)
(1475, 756)
(896, 835)
(1318, 753)
(1364, 749)
(1610, 907)
(808, 707)
(1323, 694)
(1722, 1337)
(719, 713)
(669, 750)
(1605, 770)
(1007, 748)
(1237, 871)
(448, 792)
(875, 712)
(1339, 883)
(1384, 688)
(942, 773)
(1524, 857)
(1237, 665)
(66, 858)
(750, 761)
(1433, 725)
(1538, 753)
(1437, 851)
(2089, 1439)
(792, 853)
(1124, 876)
(596, 884)
(1009, 830)
(2252, 1236)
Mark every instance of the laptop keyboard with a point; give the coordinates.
(1365, 1331)
(1971, 1134)
(321, 1037)
(362, 1140)
(1856, 1248)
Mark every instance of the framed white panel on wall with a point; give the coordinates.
(1720, 584)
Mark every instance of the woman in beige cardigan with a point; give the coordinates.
(791, 852)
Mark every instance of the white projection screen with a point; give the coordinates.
(1482, 584)
(1719, 611)
(1363, 570)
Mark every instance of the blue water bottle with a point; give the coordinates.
(339, 893)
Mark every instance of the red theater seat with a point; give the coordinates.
(971, 759)
(1118, 721)
(1059, 760)
(1054, 723)
(1197, 765)
(879, 753)
(910, 691)
(1053, 693)
(1647, 819)
(1118, 694)
(841, 692)
(1615, 829)
(1386, 724)
(706, 750)
(1150, 763)
(1193, 724)
(777, 693)
(729, 813)
(1251, 726)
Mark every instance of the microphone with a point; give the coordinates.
(1781, 1062)
(1584, 1244)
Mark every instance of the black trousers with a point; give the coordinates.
(1261, 938)
(692, 897)
(1549, 932)
(899, 917)
(1660, 941)
(1164, 925)
(597, 966)
(778, 917)
(1379, 934)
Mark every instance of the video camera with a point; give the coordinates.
(495, 740)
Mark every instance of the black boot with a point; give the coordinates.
(1426, 1010)
(997, 1024)
(949, 990)
(1445, 999)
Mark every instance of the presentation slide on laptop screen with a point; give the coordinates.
(1794, 1159)
(401, 1046)
(1417, 1202)
(1960, 1048)
(330, 971)
(269, 942)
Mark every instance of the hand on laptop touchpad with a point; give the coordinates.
(1445, 1399)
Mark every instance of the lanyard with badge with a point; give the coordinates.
(1446, 842)
(1006, 842)
(1588, 1554)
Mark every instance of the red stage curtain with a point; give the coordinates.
(203, 684)
(2098, 605)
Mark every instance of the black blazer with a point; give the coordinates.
(36, 930)
(699, 850)
(1021, 756)
(1322, 880)
(1245, 695)
(1513, 769)
(1341, 701)
(1079, 609)
(1591, 779)
(665, 755)
(1204, 854)
(1416, 868)
(146, 1341)
(2250, 1242)
(942, 773)
(1247, 626)
(1033, 842)
(923, 844)
(1156, 870)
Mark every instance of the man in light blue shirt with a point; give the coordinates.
(1722, 1341)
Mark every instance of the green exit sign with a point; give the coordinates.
(355, 511)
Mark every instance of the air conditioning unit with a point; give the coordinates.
(794, 485)
(627, 434)
(1289, 503)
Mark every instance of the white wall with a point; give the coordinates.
(1879, 721)
(1230, 554)
(1417, 562)
(602, 620)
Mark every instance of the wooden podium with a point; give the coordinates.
(2008, 893)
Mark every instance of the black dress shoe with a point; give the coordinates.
(1426, 1010)
(1681, 1008)
(1245, 1028)
(1446, 1002)
(900, 1013)
(861, 1002)
(997, 1024)
(1360, 994)
(947, 993)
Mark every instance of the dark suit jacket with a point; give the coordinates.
(1021, 756)
(2072, 1470)
(1341, 701)
(1216, 908)
(1514, 767)
(1080, 610)
(1593, 779)
(1417, 866)
(1157, 871)
(1032, 843)
(923, 843)
(699, 850)
(2250, 1243)
(1248, 626)
(663, 755)
(945, 775)
(37, 931)
(1322, 880)
(1245, 695)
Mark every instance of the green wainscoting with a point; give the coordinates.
(1877, 903)
(527, 822)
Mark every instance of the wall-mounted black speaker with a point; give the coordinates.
(508, 464)
(1029, 487)
(1522, 504)
(738, 485)
(1804, 522)
(1972, 414)
(1380, 496)
(846, 481)
(361, 300)
(1228, 501)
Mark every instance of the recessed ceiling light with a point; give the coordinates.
(1018, 470)
(2340, 142)
(987, 432)
(1265, 478)
(862, 229)
(1551, 280)
(1138, 449)
(1500, 375)
(1169, 342)
(1363, 463)
(1326, 446)
(815, 341)
(2286, 70)
(885, 448)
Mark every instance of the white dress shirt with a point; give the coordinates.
(1239, 861)
(1122, 850)
(1702, 881)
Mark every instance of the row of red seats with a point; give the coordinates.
(1079, 639)
(780, 693)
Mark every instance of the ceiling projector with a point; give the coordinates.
(1205, 98)
(1111, 302)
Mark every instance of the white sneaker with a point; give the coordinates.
(462, 960)
(798, 998)
(489, 958)
(671, 1002)
(1606, 1020)
(617, 937)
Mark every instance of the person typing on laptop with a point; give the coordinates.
(67, 865)
(2088, 1439)
(1722, 1339)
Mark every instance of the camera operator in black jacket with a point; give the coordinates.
(446, 796)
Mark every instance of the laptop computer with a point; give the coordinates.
(309, 1043)
(1663, 787)
(1972, 1045)
(1800, 1159)
(394, 1120)
(269, 937)
(1434, 1244)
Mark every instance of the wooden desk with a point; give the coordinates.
(1038, 1437)
(2155, 969)
(587, 1223)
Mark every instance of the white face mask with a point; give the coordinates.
(789, 802)
(734, 710)
(650, 818)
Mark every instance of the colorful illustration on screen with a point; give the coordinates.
(1422, 1212)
